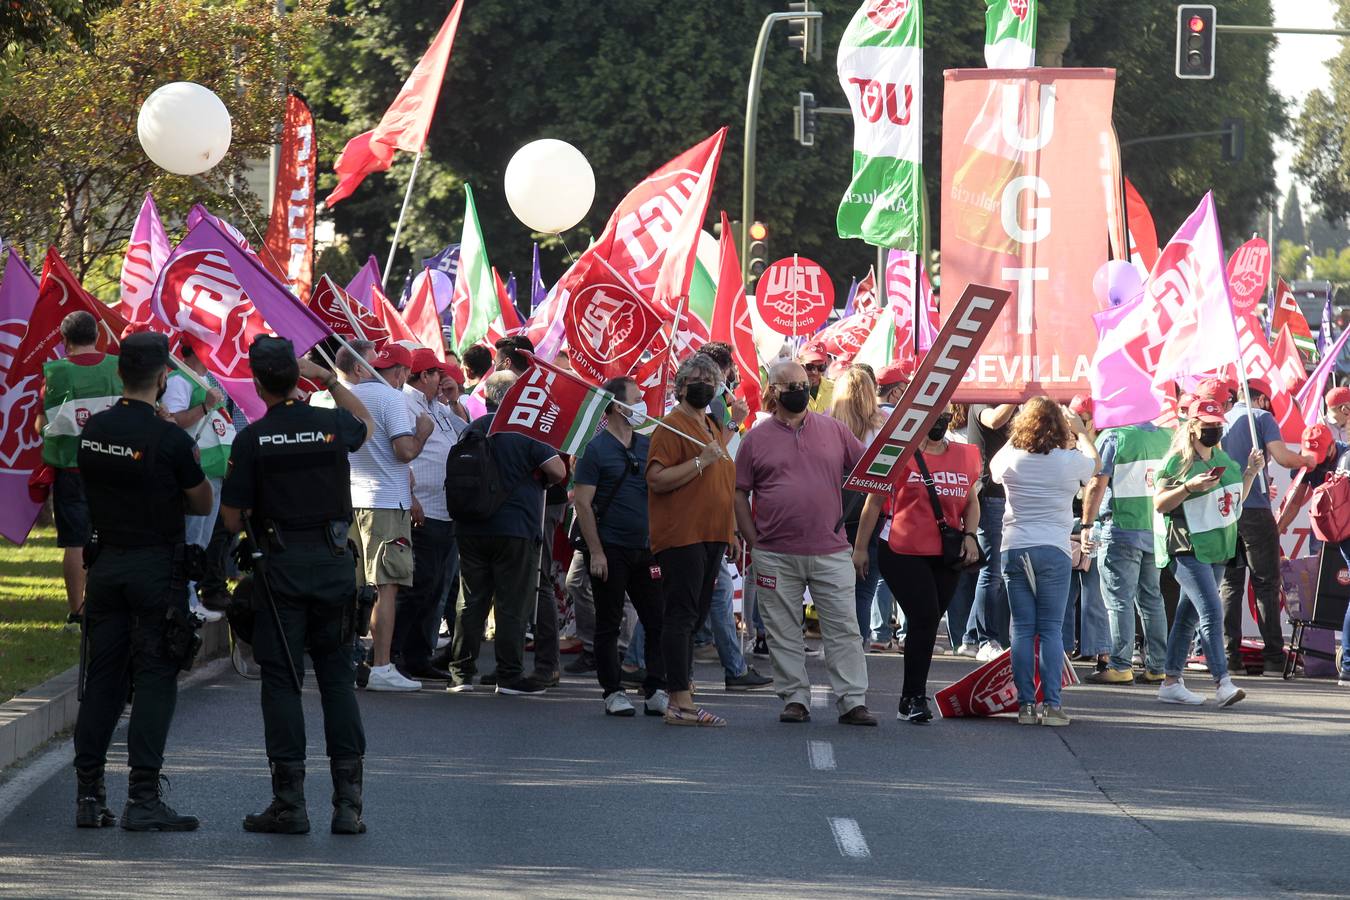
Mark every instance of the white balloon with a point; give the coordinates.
(184, 128)
(549, 185)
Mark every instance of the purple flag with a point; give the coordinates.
(537, 290)
(1324, 333)
(360, 286)
(848, 304)
(1310, 397)
(446, 263)
(511, 288)
(18, 294)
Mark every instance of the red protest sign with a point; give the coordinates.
(795, 296)
(1248, 275)
(931, 390)
(989, 690)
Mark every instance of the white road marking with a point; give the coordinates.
(820, 696)
(821, 754)
(849, 838)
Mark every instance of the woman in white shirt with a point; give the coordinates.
(1040, 472)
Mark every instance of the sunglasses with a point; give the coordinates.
(633, 467)
(791, 386)
(814, 367)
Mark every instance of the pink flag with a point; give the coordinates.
(901, 297)
(1258, 362)
(1310, 397)
(1121, 375)
(18, 294)
(146, 254)
(368, 277)
(928, 322)
(1188, 291)
(545, 327)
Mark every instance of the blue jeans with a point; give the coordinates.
(864, 595)
(989, 615)
(1200, 604)
(720, 628)
(636, 657)
(1345, 627)
(1130, 578)
(1038, 591)
(1093, 628)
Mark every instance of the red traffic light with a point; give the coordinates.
(1196, 24)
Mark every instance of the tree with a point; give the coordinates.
(1291, 261)
(1321, 159)
(77, 176)
(1291, 226)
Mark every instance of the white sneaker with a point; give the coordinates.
(388, 678)
(206, 615)
(617, 704)
(442, 641)
(1228, 693)
(989, 651)
(1178, 693)
(968, 650)
(657, 704)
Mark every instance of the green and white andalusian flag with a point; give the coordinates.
(475, 302)
(881, 71)
(1010, 34)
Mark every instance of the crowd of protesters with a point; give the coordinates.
(1019, 524)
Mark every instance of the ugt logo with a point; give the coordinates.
(608, 322)
(794, 291)
(1226, 504)
(888, 13)
(876, 98)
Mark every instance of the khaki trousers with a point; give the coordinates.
(781, 581)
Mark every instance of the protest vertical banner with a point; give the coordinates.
(1025, 157)
(290, 230)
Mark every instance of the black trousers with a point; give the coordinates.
(688, 576)
(1259, 555)
(630, 574)
(127, 595)
(311, 587)
(923, 586)
(500, 574)
(433, 544)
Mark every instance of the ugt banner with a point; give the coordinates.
(1026, 181)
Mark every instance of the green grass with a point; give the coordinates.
(33, 644)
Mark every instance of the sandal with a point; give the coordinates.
(699, 717)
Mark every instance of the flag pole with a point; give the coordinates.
(393, 247)
(1251, 424)
(347, 313)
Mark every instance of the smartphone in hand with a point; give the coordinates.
(1215, 472)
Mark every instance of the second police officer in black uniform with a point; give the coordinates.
(288, 487)
(141, 476)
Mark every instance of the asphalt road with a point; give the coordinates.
(485, 796)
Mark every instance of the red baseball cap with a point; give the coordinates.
(812, 353)
(893, 374)
(1081, 405)
(1318, 440)
(1221, 389)
(1185, 402)
(424, 359)
(453, 372)
(1338, 396)
(1260, 386)
(393, 355)
(1207, 411)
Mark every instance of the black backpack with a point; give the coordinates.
(473, 483)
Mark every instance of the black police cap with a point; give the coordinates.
(271, 353)
(143, 352)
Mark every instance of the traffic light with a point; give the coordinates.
(758, 252)
(1195, 40)
(804, 119)
(1234, 140)
(804, 34)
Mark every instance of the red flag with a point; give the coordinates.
(510, 315)
(1143, 233)
(290, 230)
(552, 406)
(423, 322)
(731, 320)
(1288, 314)
(59, 294)
(348, 319)
(866, 300)
(671, 291)
(389, 317)
(1289, 361)
(608, 323)
(405, 123)
(1258, 362)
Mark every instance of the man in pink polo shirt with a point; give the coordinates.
(794, 463)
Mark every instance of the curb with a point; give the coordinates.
(37, 715)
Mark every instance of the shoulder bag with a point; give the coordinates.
(953, 540)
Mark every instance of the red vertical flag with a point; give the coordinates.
(405, 123)
(290, 230)
(425, 324)
(731, 319)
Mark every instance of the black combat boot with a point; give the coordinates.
(287, 813)
(146, 810)
(347, 796)
(91, 800)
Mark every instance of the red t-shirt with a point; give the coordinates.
(912, 528)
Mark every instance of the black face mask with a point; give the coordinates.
(939, 429)
(1210, 437)
(699, 395)
(793, 401)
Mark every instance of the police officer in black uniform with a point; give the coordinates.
(141, 476)
(289, 488)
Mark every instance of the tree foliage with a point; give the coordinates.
(74, 172)
(1324, 129)
(633, 83)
